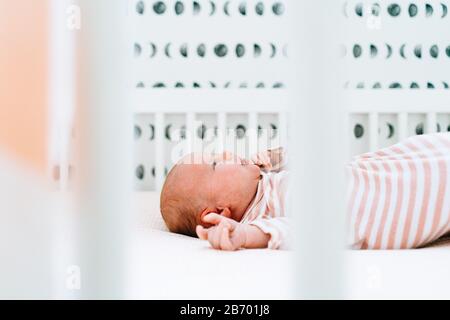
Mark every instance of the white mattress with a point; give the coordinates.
(165, 265)
(169, 266)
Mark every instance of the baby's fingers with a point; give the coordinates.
(262, 159)
(255, 160)
(225, 243)
(215, 237)
(202, 233)
(213, 218)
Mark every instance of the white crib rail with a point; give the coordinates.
(220, 104)
(414, 112)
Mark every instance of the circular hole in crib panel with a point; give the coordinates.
(179, 8)
(177, 141)
(416, 124)
(413, 10)
(357, 50)
(418, 51)
(414, 85)
(140, 7)
(241, 130)
(196, 8)
(268, 132)
(394, 10)
(240, 50)
(201, 50)
(206, 132)
(243, 8)
(153, 50)
(444, 122)
(420, 128)
(429, 10)
(137, 132)
(278, 8)
(257, 50)
(152, 132)
(184, 50)
(358, 133)
(387, 130)
(159, 7)
(137, 50)
(235, 140)
(359, 9)
(201, 132)
(375, 10)
(434, 51)
(221, 50)
(140, 172)
(259, 9)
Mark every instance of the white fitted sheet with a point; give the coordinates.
(170, 266)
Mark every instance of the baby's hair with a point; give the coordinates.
(177, 208)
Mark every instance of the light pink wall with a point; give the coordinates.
(23, 80)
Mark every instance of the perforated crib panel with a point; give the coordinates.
(397, 58)
(210, 44)
(209, 76)
(178, 140)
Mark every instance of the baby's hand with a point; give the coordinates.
(262, 159)
(270, 160)
(226, 234)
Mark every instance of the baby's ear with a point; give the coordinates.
(225, 212)
(205, 213)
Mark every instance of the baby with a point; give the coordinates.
(399, 197)
(231, 202)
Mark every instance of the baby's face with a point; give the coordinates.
(224, 179)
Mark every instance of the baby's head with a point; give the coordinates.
(203, 183)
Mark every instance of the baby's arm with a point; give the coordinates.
(277, 229)
(230, 235)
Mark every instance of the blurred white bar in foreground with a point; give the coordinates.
(105, 134)
(318, 150)
(25, 233)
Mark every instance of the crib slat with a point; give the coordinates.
(105, 137)
(159, 150)
(62, 93)
(373, 131)
(402, 125)
(190, 132)
(282, 129)
(252, 133)
(221, 131)
(431, 122)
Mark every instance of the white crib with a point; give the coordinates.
(221, 65)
